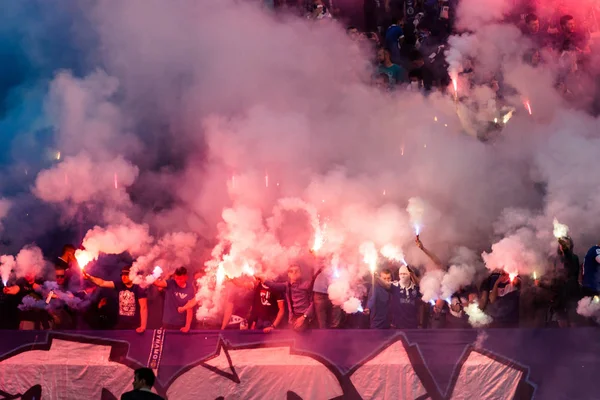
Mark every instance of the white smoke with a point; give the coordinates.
(431, 284)
(352, 306)
(589, 307)
(7, 264)
(30, 261)
(477, 318)
(115, 239)
(198, 146)
(172, 251)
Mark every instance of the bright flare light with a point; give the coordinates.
(393, 253)
(455, 87)
(319, 240)
(83, 258)
(157, 272)
(220, 275)
(360, 308)
(534, 275)
(58, 155)
(116, 181)
(528, 106)
(266, 180)
(507, 117)
(369, 253)
(512, 276)
(596, 299)
(560, 230)
(417, 228)
(247, 269)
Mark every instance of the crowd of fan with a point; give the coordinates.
(410, 37)
(392, 300)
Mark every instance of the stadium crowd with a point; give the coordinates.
(409, 39)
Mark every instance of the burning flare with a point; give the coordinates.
(247, 269)
(528, 106)
(369, 253)
(84, 257)
(393, 253)
(560, 230)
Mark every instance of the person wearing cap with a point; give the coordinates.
(133, 301)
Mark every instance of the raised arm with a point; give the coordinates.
(99, 282)
(428, 253)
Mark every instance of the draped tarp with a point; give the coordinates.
(352, 364)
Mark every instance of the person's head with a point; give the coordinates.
(533, 23)
(405, 275)
(60, 275)
(68, 253)
(386, 275)
(415, 78)
(143, 378)
(125, 276)
(181, 276)
(294, 273)
(565, 245)
(416, 59)
(30, 277)
(381, 81)
(535, 57)
(383, 55)
(567, 23)
(372, 36)
(353, 33)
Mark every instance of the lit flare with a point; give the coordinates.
(560, 230)
(83, 258)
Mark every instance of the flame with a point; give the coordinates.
(528, 106)
(560, 230)
(455, 86)
(435, 119)
(360, 308)
(534, 275)
(247, 269)
(432, 302)
(336, 272)
(512, 276)
(83, 258)
(384, 192)
(369, 253)
(266, 180)
(393, 253)
(596, 299)
(116, 181)
(507, 117)
(417, 228)
(58, 155)
(319, 238)
(220, 274)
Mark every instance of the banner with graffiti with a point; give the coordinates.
(345, 364)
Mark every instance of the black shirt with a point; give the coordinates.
(129, 309)
(264, 304)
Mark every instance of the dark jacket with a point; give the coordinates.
(140, 395)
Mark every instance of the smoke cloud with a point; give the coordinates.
(218, 136)
(30, 261)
